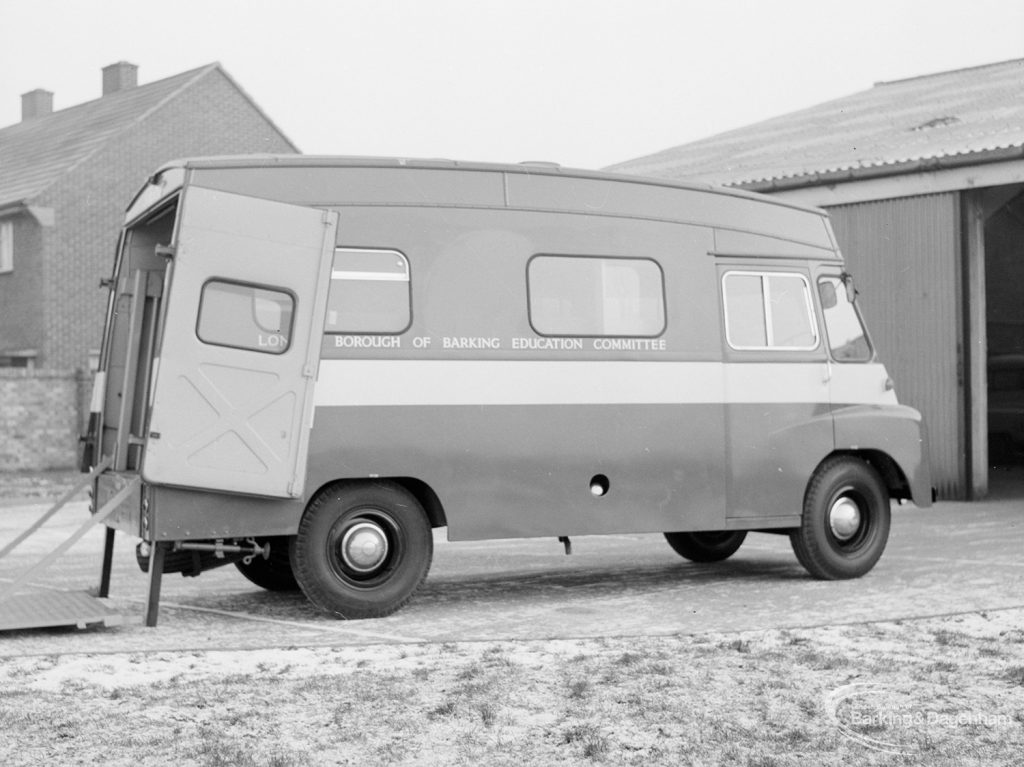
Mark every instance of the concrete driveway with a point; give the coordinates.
(955, 557)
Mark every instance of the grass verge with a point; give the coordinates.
(939, 691)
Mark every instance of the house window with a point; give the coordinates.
(592, 296)
(768, 310)
(6, 246)
(370, 292)
(25, 358)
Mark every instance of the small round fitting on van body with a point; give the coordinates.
(599, 485)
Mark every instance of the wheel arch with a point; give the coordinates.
(893, 476)
(427, 498)
(894, 441)
(420, 490)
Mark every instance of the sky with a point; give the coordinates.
(584, 83)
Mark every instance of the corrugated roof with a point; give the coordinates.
(966, 116)
(35, 153)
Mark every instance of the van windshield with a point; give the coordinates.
(847, 339)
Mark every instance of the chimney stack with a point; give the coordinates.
(121, 76)
(37, 103)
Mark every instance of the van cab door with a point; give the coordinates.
(777, 419)
(231, 399)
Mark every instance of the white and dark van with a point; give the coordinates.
(312, 362)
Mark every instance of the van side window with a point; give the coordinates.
(847, 339)
(243, 316)
(370, 292)
(591, 296)
(768, 310)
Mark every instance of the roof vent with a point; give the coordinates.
(938, 122)
(37, 103)
(121, 76)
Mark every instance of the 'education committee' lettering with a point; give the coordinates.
(629, 344)
(557, 344)
(517, 343)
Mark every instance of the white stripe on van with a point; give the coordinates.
(353, 383)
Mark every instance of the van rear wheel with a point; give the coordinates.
(846, 520)
(362, 549)
(706, 546)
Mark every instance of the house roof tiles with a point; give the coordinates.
(36, 152)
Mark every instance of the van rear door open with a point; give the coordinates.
(231, 402)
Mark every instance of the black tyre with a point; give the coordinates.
(707, 546)
(845, 520)
(274, 573)
(362, 549)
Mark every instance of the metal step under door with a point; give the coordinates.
(52, 608)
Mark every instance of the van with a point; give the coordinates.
(310, 363)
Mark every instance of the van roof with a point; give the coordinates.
(742, 220)
(524, 168)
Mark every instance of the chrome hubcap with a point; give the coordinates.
(364, 547)
(844, 518)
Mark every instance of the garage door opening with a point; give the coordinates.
(1004, 328)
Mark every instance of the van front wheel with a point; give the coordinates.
(846, 520)
(707, 546)
(362, 549)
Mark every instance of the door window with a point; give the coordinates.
(768, 310)
(245, 316)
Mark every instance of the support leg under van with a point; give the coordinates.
(156, 572)
(108, 561)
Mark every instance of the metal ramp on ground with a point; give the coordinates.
(52, 608)
(55, 609)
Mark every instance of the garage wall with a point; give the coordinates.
(904, 255)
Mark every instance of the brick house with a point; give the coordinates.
(66, 178)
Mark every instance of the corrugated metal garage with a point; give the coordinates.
(905, 257)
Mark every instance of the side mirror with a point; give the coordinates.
(851, 289)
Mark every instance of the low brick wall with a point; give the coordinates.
(41, 416)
